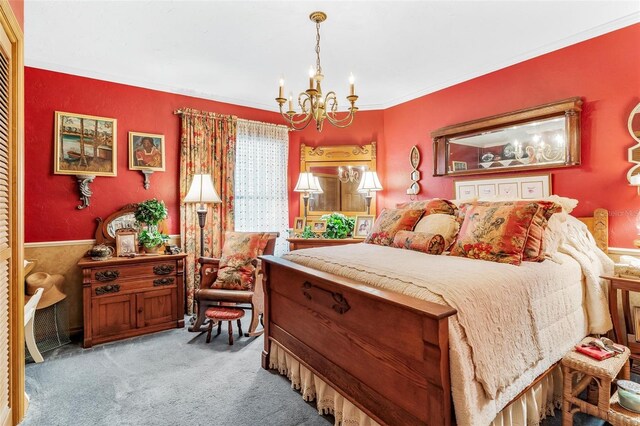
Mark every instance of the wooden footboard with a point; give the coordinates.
(385, 352)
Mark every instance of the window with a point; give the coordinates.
(261, 201)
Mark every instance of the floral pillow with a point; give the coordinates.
(495, 231)
(433, 206)
(239, 260)
(443, 224)
(419, 241)
(534, 248)
(390, 222)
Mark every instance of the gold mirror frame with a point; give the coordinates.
(634, 151)
(335, 156)
(569, 108)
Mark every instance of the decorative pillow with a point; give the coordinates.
(419, 241)
(390, 222)
(555, 233)
(433, 206)
(441, 224)
(239, 259)
(495, 231)
(534, 248)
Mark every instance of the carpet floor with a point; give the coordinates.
(170, 378)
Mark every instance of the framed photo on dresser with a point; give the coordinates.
(126, 242)
(363, 226)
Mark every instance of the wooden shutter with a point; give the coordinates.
(7, 198)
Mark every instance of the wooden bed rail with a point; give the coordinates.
(385, 352)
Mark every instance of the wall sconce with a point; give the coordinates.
(414, 188)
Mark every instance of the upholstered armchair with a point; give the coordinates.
(212, 292)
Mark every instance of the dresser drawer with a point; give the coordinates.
(117, 272)
(126, 286)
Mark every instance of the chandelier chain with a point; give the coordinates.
(318, 67)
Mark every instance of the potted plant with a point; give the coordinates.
(149, 213)
(151, 241)
(338, 226)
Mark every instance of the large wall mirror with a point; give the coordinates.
(339, 170)
(545, 136)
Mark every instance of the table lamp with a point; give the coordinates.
(308, 184)
(369, 183)
(202, 192)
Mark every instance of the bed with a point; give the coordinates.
(389, 354)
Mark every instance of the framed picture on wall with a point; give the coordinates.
(146, 151)
(85, 145)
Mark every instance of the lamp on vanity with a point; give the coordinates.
(308, 184)
(369, 183)
(202, 192)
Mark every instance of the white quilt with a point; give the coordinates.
(529, 315)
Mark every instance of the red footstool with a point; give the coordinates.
(224, 313)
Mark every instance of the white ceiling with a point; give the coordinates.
(235, 51)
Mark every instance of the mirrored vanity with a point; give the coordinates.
(545, 136)
(339, 170)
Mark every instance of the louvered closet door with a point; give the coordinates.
(7, 193)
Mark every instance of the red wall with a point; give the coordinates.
(605, 71)
(51, 200)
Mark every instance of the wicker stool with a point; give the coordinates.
(602, 373)
(224, 313)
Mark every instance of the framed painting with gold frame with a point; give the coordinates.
(146, 151)
(298, 224)
(85, 145)
(317, 226)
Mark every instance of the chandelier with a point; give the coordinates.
(312, 102)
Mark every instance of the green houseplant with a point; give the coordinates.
(338, 226)
(152, 240)
(308, 233)
(149, 213)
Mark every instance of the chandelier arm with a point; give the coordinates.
(343, 122)
(293, 122)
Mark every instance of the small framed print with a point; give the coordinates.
(317, 226)
(126, 242)
(487, 191)
(459, 165)
(532, 190)
(146, 151)
(299, 224)
(508, 190)
(363, 226)
(466, 191)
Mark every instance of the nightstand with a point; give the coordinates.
(625, 285)
(303, 243)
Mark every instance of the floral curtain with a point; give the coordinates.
(207, 146)
(262, 202)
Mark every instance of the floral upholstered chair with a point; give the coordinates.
(235, 278)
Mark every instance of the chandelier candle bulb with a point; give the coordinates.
(281, 92)
(352, 86)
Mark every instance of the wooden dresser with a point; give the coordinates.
(125, 297)
(303, 243)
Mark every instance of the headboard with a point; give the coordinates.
(598, 225)
(529, 187)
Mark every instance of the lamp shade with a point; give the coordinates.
(318, 187)
(369, 182)
(306, 183)
(202, 190)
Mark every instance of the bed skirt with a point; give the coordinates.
(528, 410)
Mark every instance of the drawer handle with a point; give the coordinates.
(107, 275)
(106, 289)
(162, 281)
(164, 269)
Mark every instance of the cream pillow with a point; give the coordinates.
(442, 224)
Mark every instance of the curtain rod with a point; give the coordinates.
(181, 111)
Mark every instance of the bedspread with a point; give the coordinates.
(513, 322)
